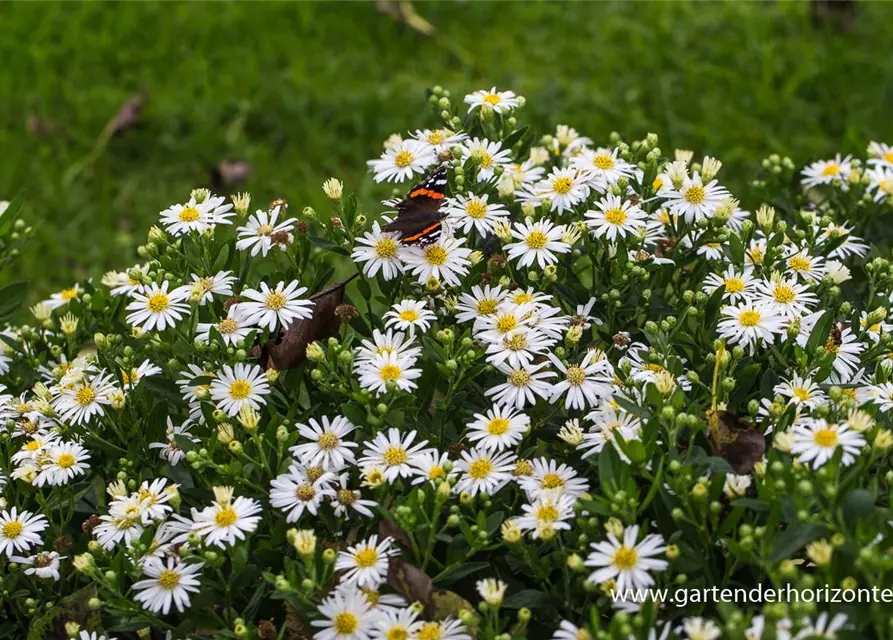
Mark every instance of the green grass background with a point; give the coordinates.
(303, 91)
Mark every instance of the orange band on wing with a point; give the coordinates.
(436, 195)
(422, 233)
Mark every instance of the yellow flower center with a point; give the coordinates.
(409, 315)
(516, 342)
(315, 473)
(397, 633)
(435, 255)
(189, 214)
(239, 389)
(366, 558)
(475, 209)
(523, 468)
(65, 460)
(537, 240)
(84, 396)
(429, 631)
(394, 456)
(604, 161)
(436, 137)
(158, 302)
(519, 378)
(403, 159)
(576, 375)
(615, 216)
(523, 297)
(547, 513)
(734, 285)
(552, 481)
(390, 372)
(784, 294)
(264, 230)
(801, 394)
(275, 300)
(695, 194)
(480, 469)
(831, 170)
(825, 437)
(888, 157)
(327, 441)
(205, 284)
(625, 558)
(69, 294)
(492, 99)
(386, 248)
(562, 185)
(831, 346)
(653, 367)
(305, 492)
(12, 530)
(346, 497)
(506, 323)
(226, 517)
(486, 160)
(227, 325)
(436, 472)
(799, 263)
(657, 183)
(345, 623)
(486, 307)
(749, 318)
(497, 426)
(168, 579)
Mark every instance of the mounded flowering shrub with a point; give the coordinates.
(604, 374)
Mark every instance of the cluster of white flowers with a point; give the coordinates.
(603, 375)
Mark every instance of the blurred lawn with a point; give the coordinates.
(303, 91)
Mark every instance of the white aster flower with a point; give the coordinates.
(376, 373)
(345, 615)
(402, 161)
(378, 250)
(445, 261)
(498, 101)
(155, 308)
(262, 231)
(268, 308)
(834, 171)
(327, 447)
(296, 491)
(749, 323)
(44, 565)
(234, 328)
(537, 242)
(167, 584)
(615, 217)
(407, 315)
(816, 441)
(239, 386)
(19, 531)
(484, 471)
(501, 428)
(467, 212)
(627, 562)
(488, 155)
(565, 188)
(196, 216)
(65, 461)
(584, 383)
(393, 453)
(227, 521)
(366, 563)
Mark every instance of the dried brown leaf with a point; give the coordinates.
(734, 440)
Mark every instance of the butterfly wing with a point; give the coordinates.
(418, 218)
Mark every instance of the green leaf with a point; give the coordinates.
(795, 537)
(12, 297)
(751, 503)
(514, 137)
(460, 571)
(820, 332)
(736, 249)
(530, 598)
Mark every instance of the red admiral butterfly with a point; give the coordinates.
(419, 220)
